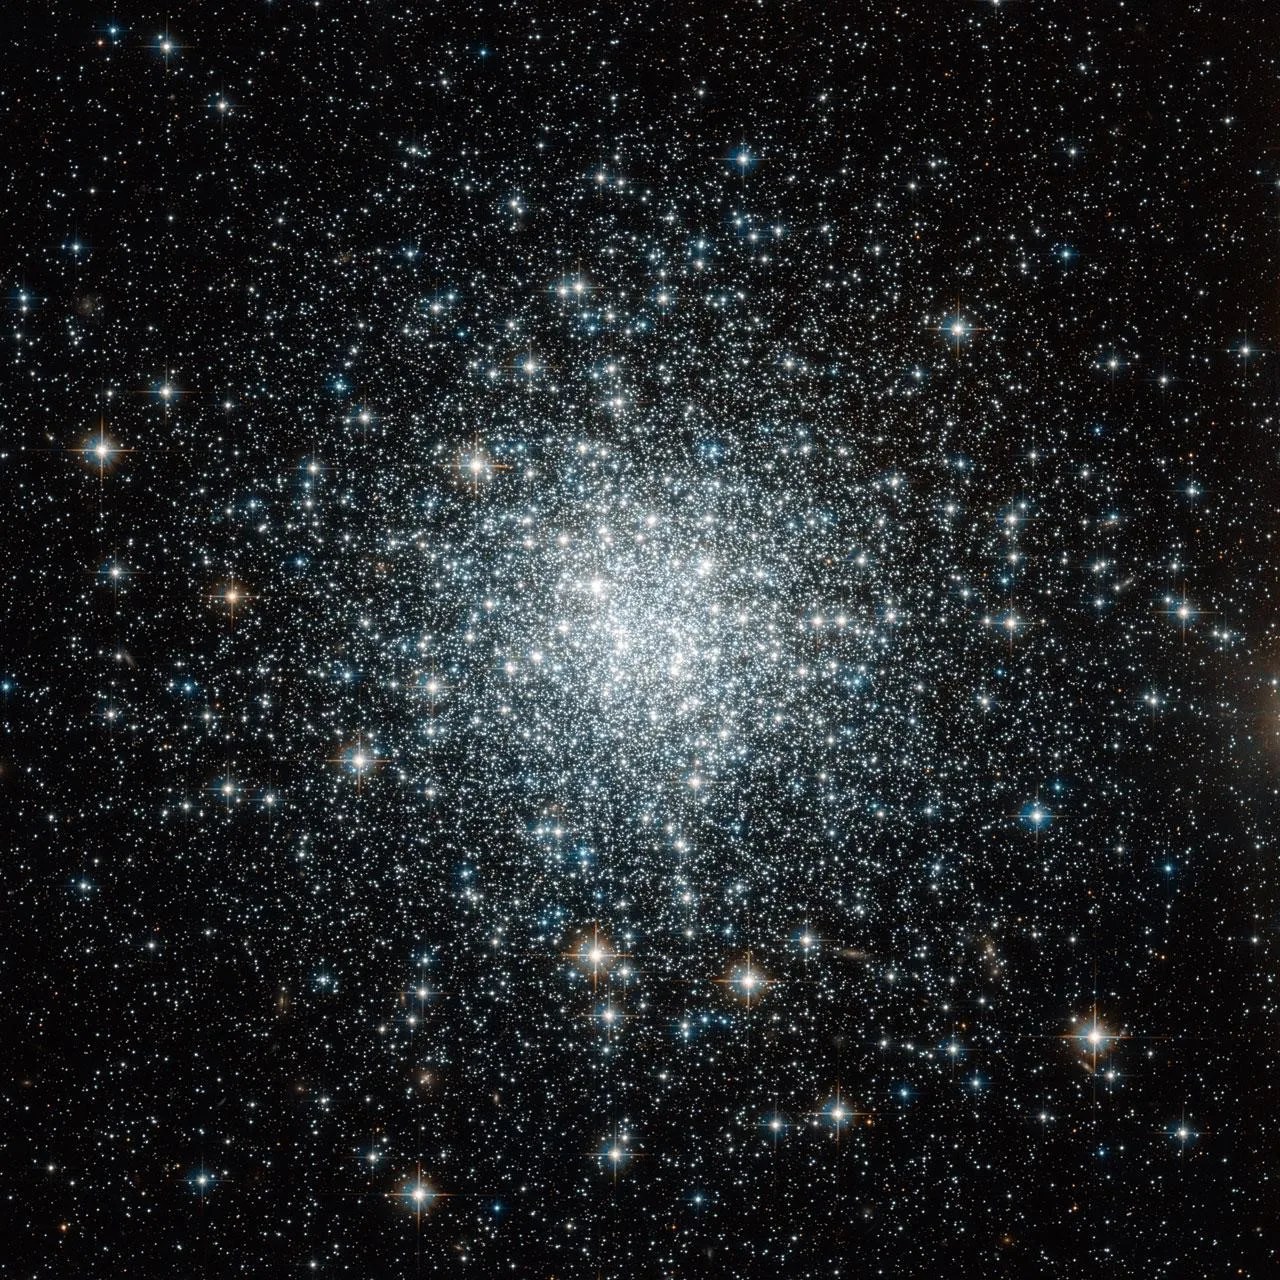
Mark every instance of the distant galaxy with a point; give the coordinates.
(641, 642)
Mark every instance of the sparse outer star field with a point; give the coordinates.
(640, 642)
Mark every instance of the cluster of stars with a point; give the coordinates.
(622, 634)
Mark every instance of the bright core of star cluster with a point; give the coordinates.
(640, 643)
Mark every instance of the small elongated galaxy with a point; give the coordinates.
(640, 642)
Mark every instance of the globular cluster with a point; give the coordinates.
(640, 643)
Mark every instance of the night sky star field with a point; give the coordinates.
(642, 641)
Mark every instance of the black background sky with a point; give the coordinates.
(772, 492)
